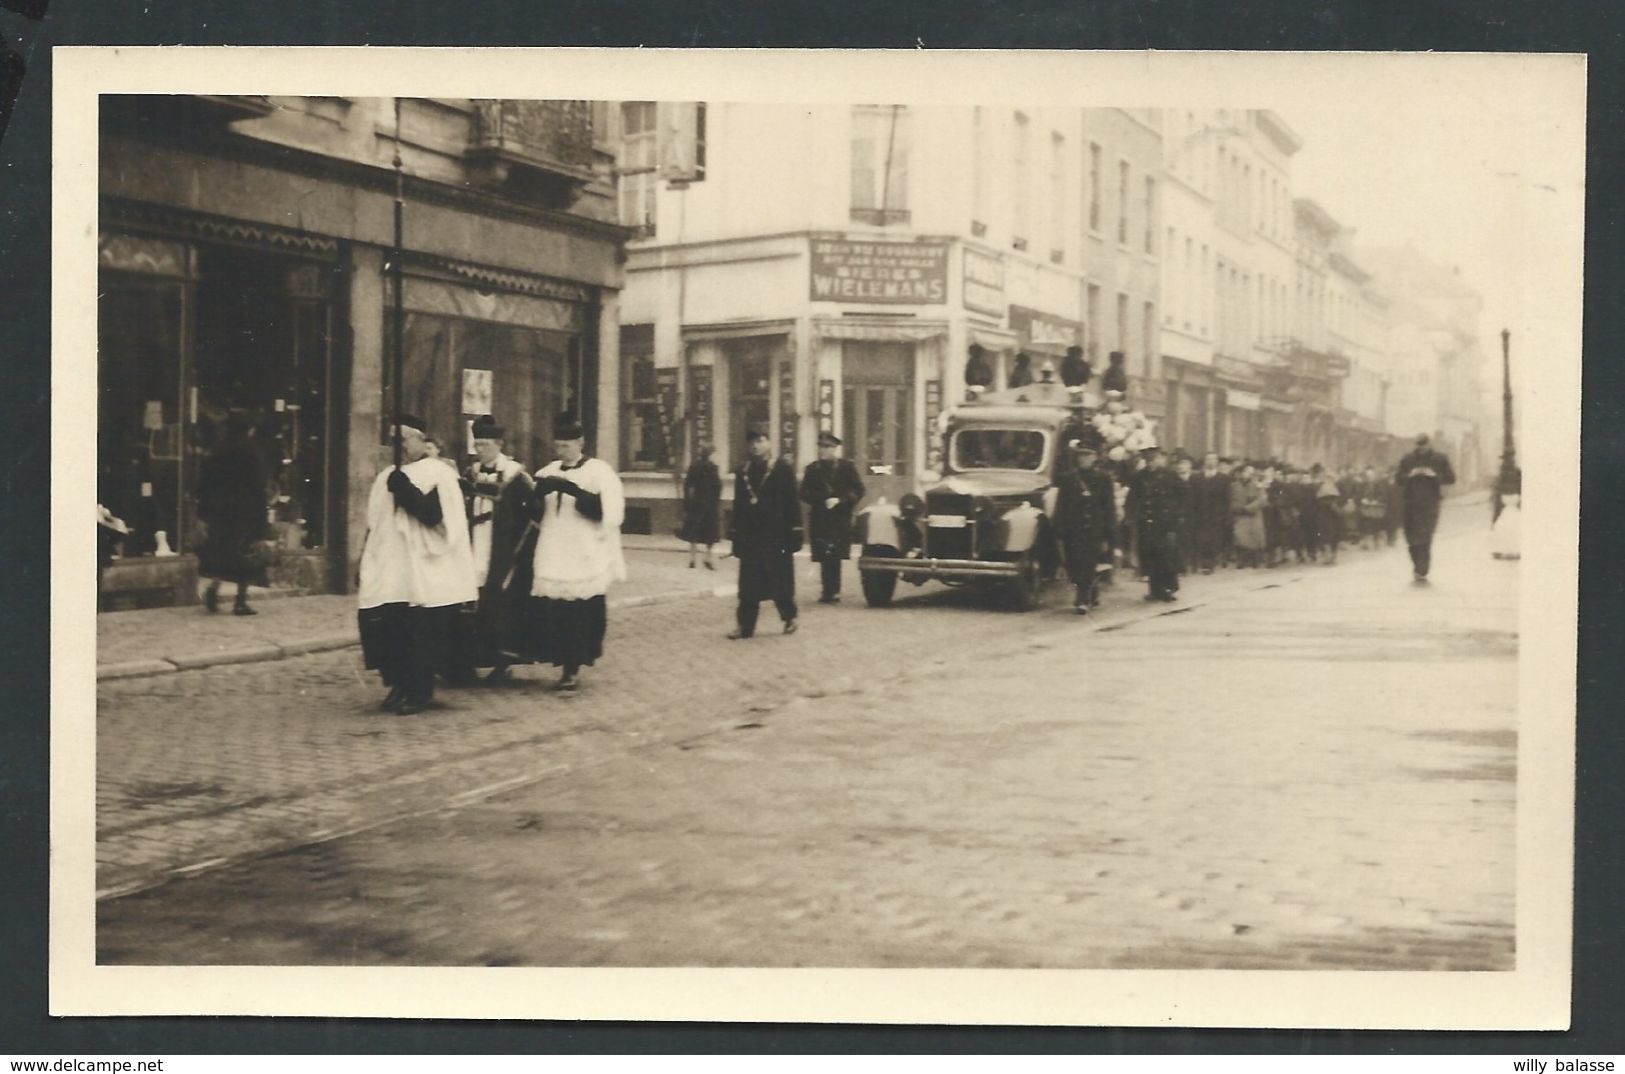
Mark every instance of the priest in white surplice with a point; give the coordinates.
(416, 571)
(580, 504)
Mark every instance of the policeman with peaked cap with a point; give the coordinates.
(766, 532)
(1086, 518)
(416, 571)
(831, 489)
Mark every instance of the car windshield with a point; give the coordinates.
(998, 449)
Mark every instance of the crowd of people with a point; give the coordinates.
(495, 566)
(1166, 516)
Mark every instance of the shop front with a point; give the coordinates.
(205, 325)
(516, 353)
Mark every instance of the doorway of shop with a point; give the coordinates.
(876, 403)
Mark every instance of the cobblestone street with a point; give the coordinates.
(1305, 767)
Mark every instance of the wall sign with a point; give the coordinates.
(787, 410)
(907, 273)
(984, 282)
(826, 406)
(699, 384)
(666, 405)
(933, 414)
(1045, 330)
(476, 391)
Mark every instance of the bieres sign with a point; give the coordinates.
(892, 272)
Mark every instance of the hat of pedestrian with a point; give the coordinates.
(754, 434)
(1089, 440)
(828, 439)
(413, 422)
(486, 428)
(568, 427)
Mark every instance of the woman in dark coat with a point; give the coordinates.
(231, 504)
(702, 501)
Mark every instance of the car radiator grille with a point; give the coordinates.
(947, 538)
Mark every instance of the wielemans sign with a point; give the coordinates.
(904, 273)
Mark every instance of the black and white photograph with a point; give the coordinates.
(827, 536)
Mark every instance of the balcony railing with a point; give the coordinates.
(544, 147)
(879, 217)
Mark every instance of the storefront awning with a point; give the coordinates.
(898, 331)
(994, 339)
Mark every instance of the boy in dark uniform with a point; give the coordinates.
(831, 489)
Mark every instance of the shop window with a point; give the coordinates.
(751, 393)
(645, 439)
(880, 154)
(530, 384)
(140, 411)
(262, 354)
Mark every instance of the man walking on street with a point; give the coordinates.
(766, 532)
(1420, 476)
(1086, 520)
(498, 491)
(416, 570)
(831, 489)
(1155, 506)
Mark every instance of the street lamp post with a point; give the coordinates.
(1507, 483)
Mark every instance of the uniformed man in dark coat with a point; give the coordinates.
(1211, 518)
(1155, 503)
(1420, 476)
(1086, 519)
(766, 532)
(831, 489)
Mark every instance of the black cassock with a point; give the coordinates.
(1157, 507)
(1086, 522)
(1420, 497)
(492, 636)
(766, 531)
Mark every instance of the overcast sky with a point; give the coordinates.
(1480, 181)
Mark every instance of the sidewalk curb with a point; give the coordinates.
(168, 665)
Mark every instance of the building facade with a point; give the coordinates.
(243, 253)
(856, 268)
(1437, 359)
(1227, 279)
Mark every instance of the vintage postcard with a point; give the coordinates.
(910, 537)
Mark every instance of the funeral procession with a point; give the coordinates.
(696, 533)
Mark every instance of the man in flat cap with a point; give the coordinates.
(766, 532)
(1420, 477)
(831, 489)
(416, 571)
(1086, 518)
(497, 489)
